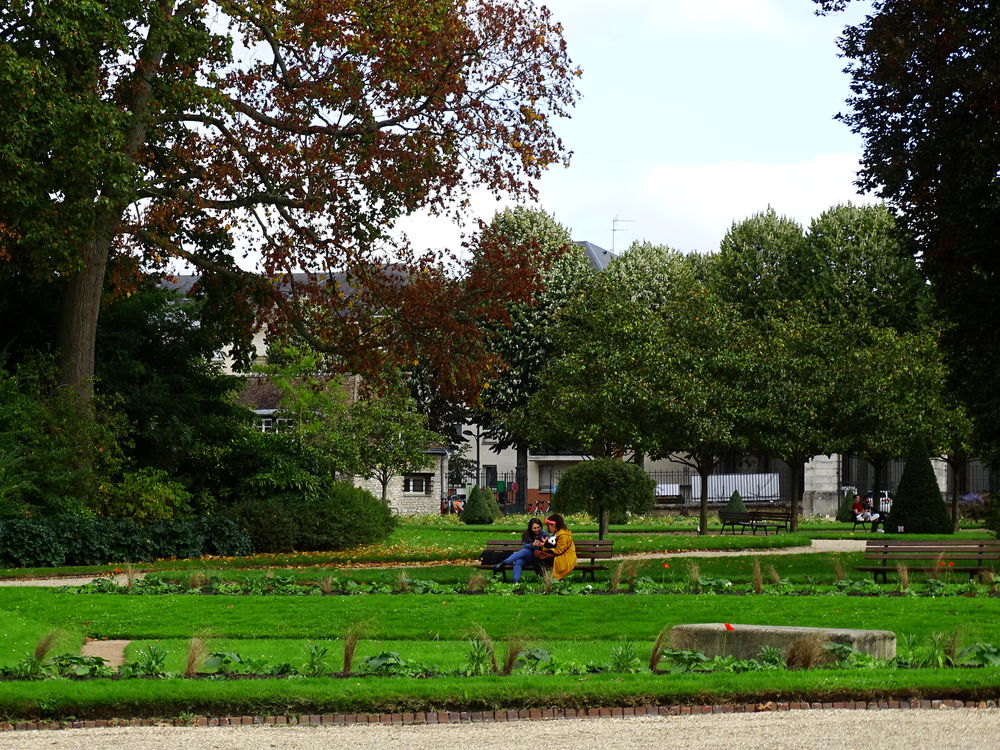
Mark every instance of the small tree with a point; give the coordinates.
(844, 512)
(735, 504)
(604, 487)
(918, 506)
(480, 508)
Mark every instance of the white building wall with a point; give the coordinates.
(821, 486)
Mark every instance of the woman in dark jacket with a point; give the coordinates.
(533, 538)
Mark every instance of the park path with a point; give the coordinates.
(826, 729)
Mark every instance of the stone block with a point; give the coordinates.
(746, 641)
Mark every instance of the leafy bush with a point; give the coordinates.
(349, 516)
(918, 506)
(480, 508)
(144, 494)
(223, 537)
(735, 503)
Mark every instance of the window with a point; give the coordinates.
(490, 476)
(417, 484)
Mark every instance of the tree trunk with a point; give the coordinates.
(704, 471)
(81, 307)
(602, 527)
(797, 465)
(521, 476)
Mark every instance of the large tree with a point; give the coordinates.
(925, 100)
(523, 345)
(136, 133)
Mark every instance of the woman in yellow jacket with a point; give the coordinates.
(563, 550)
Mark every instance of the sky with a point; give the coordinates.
(693, 114)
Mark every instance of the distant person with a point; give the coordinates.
(864, 511)
(559, 549)
(532, 539)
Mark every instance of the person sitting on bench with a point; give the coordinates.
(863, 511)
(532, 539)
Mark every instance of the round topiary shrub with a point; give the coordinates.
(480, 508)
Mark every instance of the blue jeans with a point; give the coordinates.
(518, 559)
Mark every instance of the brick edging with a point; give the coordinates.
(480, 717)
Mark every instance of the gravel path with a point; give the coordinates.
(939, 729)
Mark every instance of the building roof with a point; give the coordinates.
(598, 256)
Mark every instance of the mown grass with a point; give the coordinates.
(448, 617)
(114, 699)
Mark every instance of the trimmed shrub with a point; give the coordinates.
(29, 543)
(480, 508)
(72, 540)
(918, 506)
(223, 537)
(844, 512)
(337, 516)
(735, 503)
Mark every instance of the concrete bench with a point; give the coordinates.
(746, 641)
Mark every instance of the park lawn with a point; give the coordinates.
(449, 617)
(433, 629)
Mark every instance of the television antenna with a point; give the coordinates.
(614, 229)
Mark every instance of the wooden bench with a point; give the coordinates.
(590, 550)
(867, 525)
(972, 556)
(779, 519)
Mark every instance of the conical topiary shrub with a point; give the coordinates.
(735, 503)
(918, 507)
(479, 509)
(844, 512)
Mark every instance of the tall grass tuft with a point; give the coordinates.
(988, 578)
(477, 582)
(403, 582)
(131, 575)
(772, 573)
(352, 636)
(548, 579)
(758, 578)
(838, 568)
(694, 573)
(515, 645)
(45, 644)
(326, 584)
(196, 653)
(903, 571)
(659, 646)
(806, 652)
(627, 569)
(197, 580)
(936, 566)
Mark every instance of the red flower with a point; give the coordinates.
(729, 627)
(666, 565)
(952, 564)
(941, 565)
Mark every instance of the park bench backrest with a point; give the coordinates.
(978, 552)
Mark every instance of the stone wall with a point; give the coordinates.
(821, 492)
